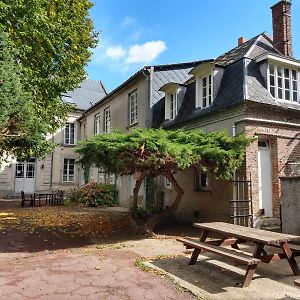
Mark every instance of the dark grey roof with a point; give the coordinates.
(235, 88)
(178, 73)
(89, 92)
(162, 74)
(235, 54)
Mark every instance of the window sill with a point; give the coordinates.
(287, 101)
(132, 125)
(203, 190)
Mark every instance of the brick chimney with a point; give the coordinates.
(242, 40)
(282, 29)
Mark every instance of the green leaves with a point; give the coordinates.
(48, 43)
(153, 151)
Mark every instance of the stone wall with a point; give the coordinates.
(290, 204)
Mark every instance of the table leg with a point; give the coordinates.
(196, 251)
(252, 268)
(291, 259)
(249, 275)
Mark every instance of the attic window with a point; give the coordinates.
(204, 93)
(284, 83)
(171, 105)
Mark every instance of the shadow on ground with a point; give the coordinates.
(216, 278)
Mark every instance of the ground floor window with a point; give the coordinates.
(69, 170)
(202, 181)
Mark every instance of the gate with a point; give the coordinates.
(241, 203)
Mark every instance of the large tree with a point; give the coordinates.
(52, 41)
(153, 152)
(21, 133)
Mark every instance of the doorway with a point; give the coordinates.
(25, 176)
(265, 178)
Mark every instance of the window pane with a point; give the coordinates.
(295, 96)
(280, 94)
(287, 95)
(279, 82)
(272, 91)
(272, 80)
(286, 73)
(30, 171)
(204, 102)
(272, 71)
(279, 72)
(204, 81)
(19, 171)
(294, 75)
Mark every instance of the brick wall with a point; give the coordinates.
(285, 148)
(282, 33)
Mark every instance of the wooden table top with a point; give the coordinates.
(248, 233)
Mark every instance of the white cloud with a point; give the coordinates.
(115, 52)
(146, 52)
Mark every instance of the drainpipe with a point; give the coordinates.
(51, 167)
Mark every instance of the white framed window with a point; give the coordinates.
(69, 170)
(133, 109)
(202, 181)
(283, 83)
(107, 120)
(171, 105)
(167, 183)
(204, 93)
(69, 138)
(97, 124)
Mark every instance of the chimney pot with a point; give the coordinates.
(242, 40)
(282, 29)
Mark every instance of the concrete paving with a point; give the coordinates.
(214, 277)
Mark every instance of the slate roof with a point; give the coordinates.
(178, 73)
(89, 92)
(162, 74)
(235, 88)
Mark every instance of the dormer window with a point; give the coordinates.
(205, 75)
(173, 93)
(172, 103)
(284, 83)
(205, 92)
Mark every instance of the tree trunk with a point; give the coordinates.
(156, 219)
(136, 189)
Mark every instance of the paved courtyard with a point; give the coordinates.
(52, 262)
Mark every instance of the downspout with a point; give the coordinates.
(51, 166)
(149, 94)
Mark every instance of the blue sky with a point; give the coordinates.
(135, 33)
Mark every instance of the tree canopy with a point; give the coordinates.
(51, 40)
(20, 132)
(155, 151)
(152, 152)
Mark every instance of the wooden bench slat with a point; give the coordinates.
(231, 253)
(295, 247)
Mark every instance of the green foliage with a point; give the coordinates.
(21, 133)
(51, 42)
(94, 194)
(155, 151)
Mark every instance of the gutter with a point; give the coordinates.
(267, 122)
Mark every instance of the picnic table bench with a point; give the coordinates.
(234, 235)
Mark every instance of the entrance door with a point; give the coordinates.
(25, 177)
(265, 178)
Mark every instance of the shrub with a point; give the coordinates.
(95, 194)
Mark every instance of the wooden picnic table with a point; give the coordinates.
(48, 195)
(234, 235)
